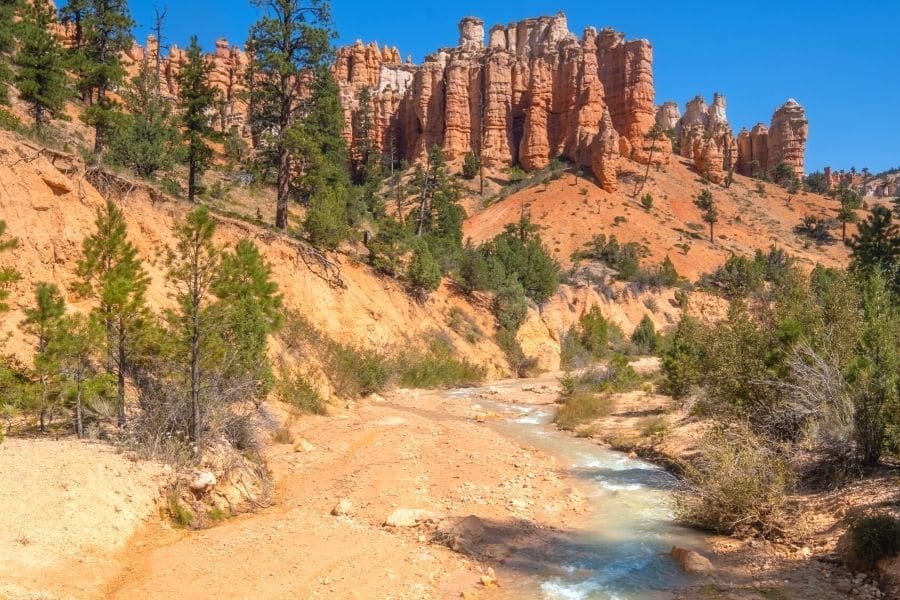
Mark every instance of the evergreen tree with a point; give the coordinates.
(644, 336)
(196, 97)
(193, 268)
(146, 138)
(877, 246)
(111, 273)
(40, 77)
(250, 309)
(326, 218)
(42, 319)
(366, 162)
(106, 30)
(710, 215)
(510, 304)
(874, 375)
(8, 275)
(471, 166)
(43, 322)
(423, 272)
(595, 332)
(289, 46)
(317, 144)
(8, 9)
(850, 203)
(70, 354)
(73, 16)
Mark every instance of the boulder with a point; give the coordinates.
(409, 517)
(203, 481)
(344, 508)
(692, 563)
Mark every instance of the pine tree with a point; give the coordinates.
(423, 271)
(250, 309)
(644, 336)
(146, 138)
(193, 268)
(317, 143)
(326, 218)
(43, 322)
(8, 9)
(874, 375)
(8, 275)
(196, 97)
(73, 16)
(71, 354)
(111, 273)
(877, 246)
(850, 203)
(106, 30)
(291, 41)
(40, 75)
(42, 319)
(710, 215)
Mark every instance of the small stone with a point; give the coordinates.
(304, 446)
(692, 563)
(203, 480)
(343, 508)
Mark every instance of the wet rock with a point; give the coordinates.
(692, 563)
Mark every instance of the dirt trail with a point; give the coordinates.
(417, 450)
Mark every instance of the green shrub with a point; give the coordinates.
(216, 515)
(471, 166)
(595, 332)
(510, 305)
(654, 426)
(179, 514)
(681, 361)
(645, 337)
(572, 353)
(519, 363)
(423, 272)
(738, 483)
(9, 121)
(294, 389)
(581, 407)
(436, 368)
(873, 538)
(647, 201)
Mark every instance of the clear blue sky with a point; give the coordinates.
(840, 60)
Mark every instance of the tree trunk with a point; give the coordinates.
(120, 377)
(843, 231)
(711, 240)
(79, 422)
(192, 177)
(196, 424)
(284, 189)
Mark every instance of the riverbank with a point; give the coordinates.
(807, 563)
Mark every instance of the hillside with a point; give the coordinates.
(571, 212)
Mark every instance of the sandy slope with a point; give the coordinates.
(570, 213)
(67, 508)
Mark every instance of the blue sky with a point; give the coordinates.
(840, 60)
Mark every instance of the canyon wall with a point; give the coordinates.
(524, 94)
(704, 136)
(535, 91)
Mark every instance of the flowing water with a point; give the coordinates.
(622, 553)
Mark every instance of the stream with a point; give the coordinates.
(622, 554)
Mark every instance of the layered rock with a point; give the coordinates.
(705, 137)
(534, 92)
(787, 136)
(605, 154)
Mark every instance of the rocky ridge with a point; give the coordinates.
(533, 92)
